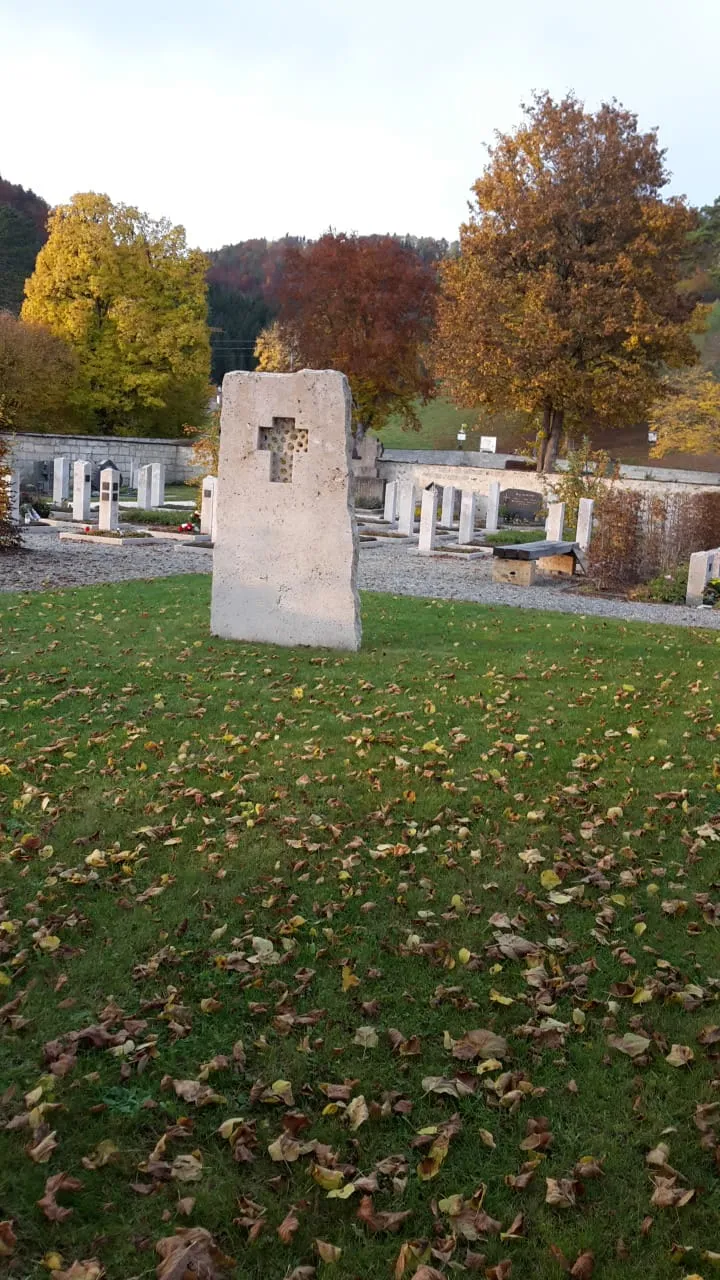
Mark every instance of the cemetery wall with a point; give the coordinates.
(412, 467)
(30, 447)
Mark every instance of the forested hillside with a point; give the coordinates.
(23, 231)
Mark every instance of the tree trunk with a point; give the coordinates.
(549, 447)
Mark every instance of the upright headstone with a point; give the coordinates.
(468, 503)
(493, 507)
(555, 522)
(13, 487)
(132, 474)
(406, 509)
(583, 533)
(448, 507)
(61, 479)
(428, 520)
(704, 565)
(109, 495)
(286, 547)
(157, 484)
(144, 485)
(82, 472)
(207, 505)
(390, 509)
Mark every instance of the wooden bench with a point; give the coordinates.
(517, 562)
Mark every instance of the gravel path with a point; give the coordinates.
(45, 563)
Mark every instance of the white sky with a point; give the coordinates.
(242, 119)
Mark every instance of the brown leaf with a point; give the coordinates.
(191, 1254)
(53, 1211)
(88, 1269)
(380, 1221)
(584, 1266)
(669, 1196)
(480, 1044)
(8, 1239)
(185, 1206)
(428, 1273)
(43, 1149)
(288, 1227)
(560, 1192)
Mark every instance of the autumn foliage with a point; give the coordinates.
(687, 417)
(364, 305)
(563, 300)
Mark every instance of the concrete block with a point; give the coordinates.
(157, 484)
(557, 566)
(520, 573)
(286, 546)
(144, 487)
(390, 501)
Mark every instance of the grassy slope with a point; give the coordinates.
(441, 421)
(335, 805)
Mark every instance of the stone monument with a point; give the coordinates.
(12, 481)
(286, 548)
(555, 521)
(109, 495)
(208, 504)
(468, 507)
(448, 507)
(428, 520)
(493, 507)
(61, 479)
(82, 473)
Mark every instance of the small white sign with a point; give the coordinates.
(488, 444)
(652, 437)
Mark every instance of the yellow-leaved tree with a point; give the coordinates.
(563, 300)
(687, 417)
(130, 297)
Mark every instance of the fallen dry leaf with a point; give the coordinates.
(191, 1254)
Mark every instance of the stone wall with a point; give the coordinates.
(28, 448)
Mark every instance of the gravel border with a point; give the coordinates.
(46, 564)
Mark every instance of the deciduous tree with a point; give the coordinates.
(563, 300)
(364, 305)
(130, 297)
(38, 378)
(687, 417)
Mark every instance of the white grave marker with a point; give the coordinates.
(207, 506)
(448, 507)
(390, 509)
(493, 507)
(583, 533)
(286, 548)
(428, 520)
(406, 509)
(468, 503)
(61, 479)
(488, 444)
(81, 491)
(109, 495)
(157, 484)
(555, 522)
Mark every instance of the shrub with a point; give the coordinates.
(165, 516)
(513, 537)
(9, 531)
(667, 588)
(587, 474)
(613, 556)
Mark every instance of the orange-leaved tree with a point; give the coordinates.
(563, 300)
(364, 305)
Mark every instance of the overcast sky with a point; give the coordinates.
(243, 119)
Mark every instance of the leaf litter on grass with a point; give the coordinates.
(418, 966)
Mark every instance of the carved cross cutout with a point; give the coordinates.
(281, 441)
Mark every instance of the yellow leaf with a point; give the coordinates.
(497, 998)
(328, 1179)
(343, 1193)
(464, 956)
(549, 879)
(348, 978)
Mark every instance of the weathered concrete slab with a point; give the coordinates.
(286, 545)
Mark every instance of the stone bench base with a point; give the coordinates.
(521, 573)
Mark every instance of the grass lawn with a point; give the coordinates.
(389, 951)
